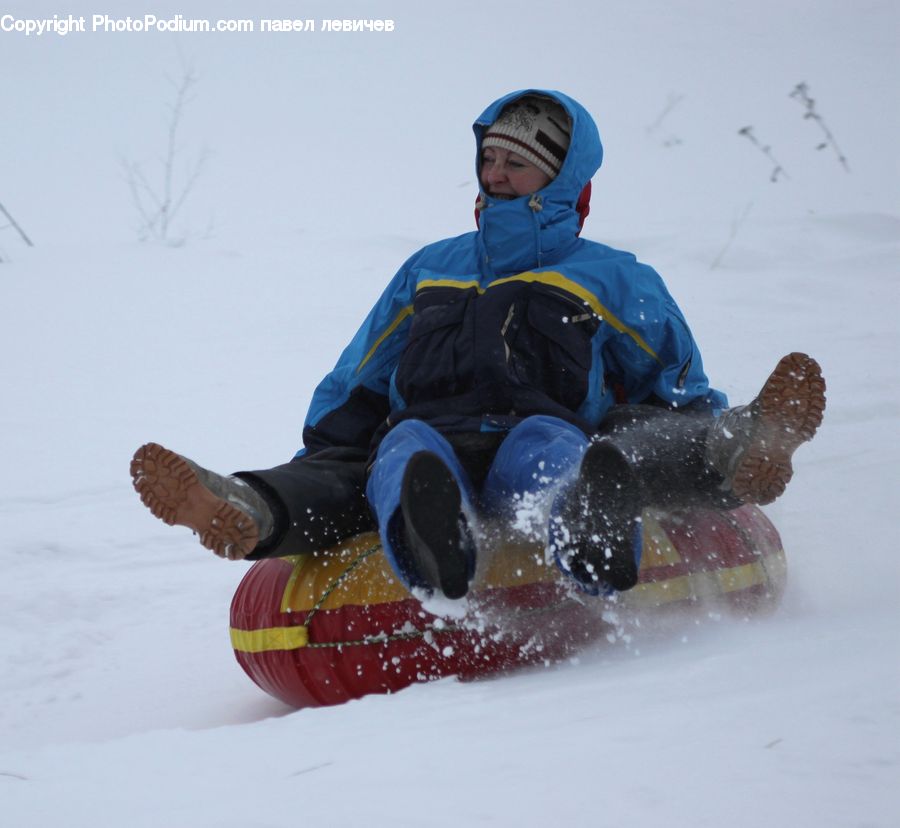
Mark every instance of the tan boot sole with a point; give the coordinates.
(790, 407)
(171, 490)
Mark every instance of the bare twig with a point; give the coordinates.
(766, 150)
(138, 184)
(159, 204)
(193, 175)
(801, 93)
(736, 224)
(672, 102)
(15, 226)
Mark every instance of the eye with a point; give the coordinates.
(517, 165)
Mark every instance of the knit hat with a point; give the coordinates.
(535, 127)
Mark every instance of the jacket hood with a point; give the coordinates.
(532, 231)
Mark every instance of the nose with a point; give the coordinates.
(495, 173)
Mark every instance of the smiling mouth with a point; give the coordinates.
(503, 196)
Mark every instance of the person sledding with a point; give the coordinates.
(516, 363)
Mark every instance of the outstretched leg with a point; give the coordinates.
(649, 456)
(302, 506)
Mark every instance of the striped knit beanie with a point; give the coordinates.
(535, 127)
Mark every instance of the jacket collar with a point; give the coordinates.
(525, 233)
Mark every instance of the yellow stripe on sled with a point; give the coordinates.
(697, 586)
(344, 575)
(271, 638)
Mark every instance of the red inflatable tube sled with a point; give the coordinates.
(323, 629)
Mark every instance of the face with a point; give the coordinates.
(506, 175)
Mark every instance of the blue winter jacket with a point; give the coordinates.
(521, 317)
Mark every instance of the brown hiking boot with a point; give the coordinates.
(228, 515)
(751, 446)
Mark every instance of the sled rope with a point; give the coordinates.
(381, 639)
(404, 636)
(408, 636)
(337, 581)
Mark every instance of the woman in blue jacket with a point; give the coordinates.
(518, 367)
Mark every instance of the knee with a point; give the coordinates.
(542, 430)
(406, 439)
(409, 432)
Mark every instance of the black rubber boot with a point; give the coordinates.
(595, 534)
(438, 546)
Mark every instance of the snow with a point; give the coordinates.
(333, 158)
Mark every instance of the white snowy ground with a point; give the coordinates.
(335, 157)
